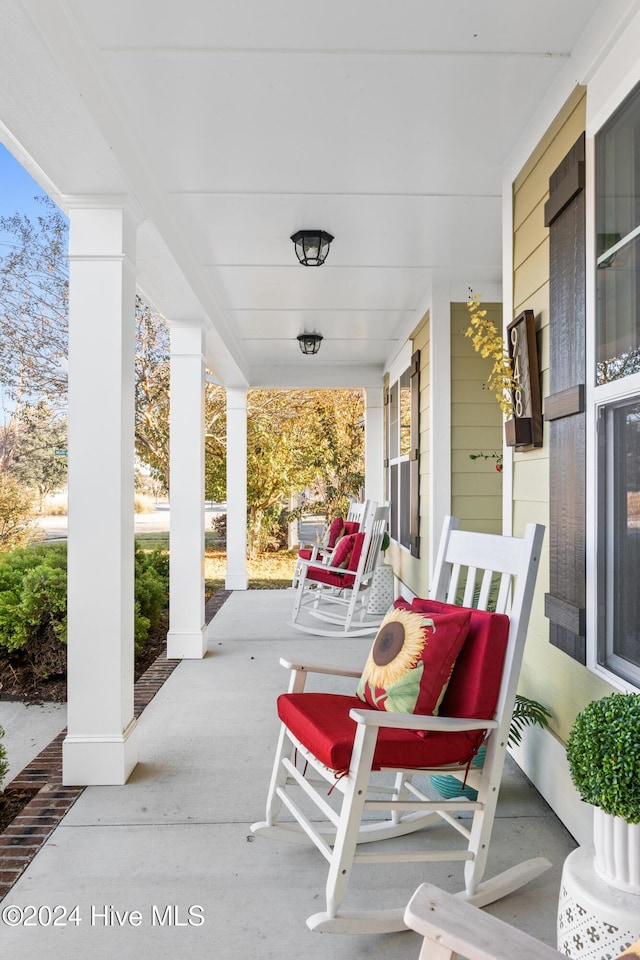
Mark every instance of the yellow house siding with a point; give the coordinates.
(548, 674)
(476, 427)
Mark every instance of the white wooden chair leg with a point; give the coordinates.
(298, 598)
(278, 776)
(346, 839)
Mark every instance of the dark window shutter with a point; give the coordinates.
(414, 457)
(564, 408)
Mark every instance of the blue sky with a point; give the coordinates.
(17, 188)
(17, 191)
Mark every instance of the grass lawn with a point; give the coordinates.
(268, 571)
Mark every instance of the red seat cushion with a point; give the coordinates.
(305, 553)
(321, 722)
(411, 659)
(322, 575)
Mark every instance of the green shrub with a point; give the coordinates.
(4, 765)
(603, 751)
(151, 592)
(33, 605)
(33, 596)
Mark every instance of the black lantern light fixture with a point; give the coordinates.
(310, 343)
(312, 246)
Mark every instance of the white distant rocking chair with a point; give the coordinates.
(320, 553)
(332, 592)
(332, 743)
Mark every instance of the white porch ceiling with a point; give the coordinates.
(236, 122)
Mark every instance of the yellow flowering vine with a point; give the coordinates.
(488, 342)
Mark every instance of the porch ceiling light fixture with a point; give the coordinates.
(312, 246)
(310, 343)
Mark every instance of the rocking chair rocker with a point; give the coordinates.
(331, 743)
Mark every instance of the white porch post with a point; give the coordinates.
(186, 637)
(439, 415)
(100, 746)
(374, 445)
(236, 578)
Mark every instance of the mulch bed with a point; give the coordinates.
(35, 802)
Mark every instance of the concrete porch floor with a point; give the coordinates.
(177, 835)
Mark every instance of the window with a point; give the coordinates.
(619, 553)
(618, 244)
(617, 391)
(402, 404)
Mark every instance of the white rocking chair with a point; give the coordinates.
(331, 594)
(355, 520)
(334, 743)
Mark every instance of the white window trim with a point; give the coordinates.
(610, 86)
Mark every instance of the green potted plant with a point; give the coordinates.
(525, 713)
(603, 751)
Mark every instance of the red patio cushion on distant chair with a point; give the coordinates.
(321, 723)
(475, 683)
(351, 526)
(333, 534)
(342, 553)
(323, 575)
(411, 659)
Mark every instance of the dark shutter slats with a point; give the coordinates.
(564, 409)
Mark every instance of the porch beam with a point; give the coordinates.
(101, 742)
(186, 637)
(236, 577)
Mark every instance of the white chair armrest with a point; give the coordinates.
(414, 721)
(450, 927)
(325, 668)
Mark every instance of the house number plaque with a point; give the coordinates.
(524, 429)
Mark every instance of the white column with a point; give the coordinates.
(186, 637)
(374, 445)
(100, 746)
(236, 578)
(439, 415)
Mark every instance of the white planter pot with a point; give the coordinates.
(617, 851)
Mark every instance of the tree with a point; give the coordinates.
(16, 514)
(295, 439)
(40, 461)
(152, 391)
(34, 298)
(34, 319)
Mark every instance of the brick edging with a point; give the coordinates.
(30, 829)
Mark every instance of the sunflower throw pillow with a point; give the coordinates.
(411, 659)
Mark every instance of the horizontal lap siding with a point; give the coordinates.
(476, 427)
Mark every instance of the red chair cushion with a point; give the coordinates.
(411, 659)
(322, 575)
(335, 531)
(351, 526)
(321, 723)
(475, 682)
(356, 553)
(305, 553)
(342, 553)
